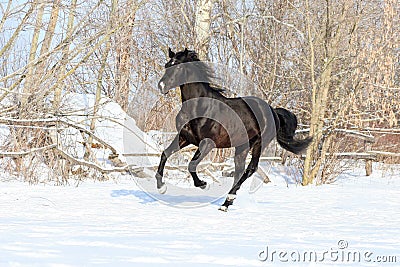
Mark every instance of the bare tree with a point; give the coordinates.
(335, 64)
(124, 43)
(65, 54)
(202, 27)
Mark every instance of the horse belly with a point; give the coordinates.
(220, 136)
(228, 134)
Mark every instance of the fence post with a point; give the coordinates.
(368, 161)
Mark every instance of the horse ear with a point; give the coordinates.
(170, 53)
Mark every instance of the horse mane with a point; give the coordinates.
(206, 71)
(217, 89)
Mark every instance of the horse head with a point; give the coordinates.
(175, 75)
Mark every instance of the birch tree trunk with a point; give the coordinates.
(48, 37)
(202, 27)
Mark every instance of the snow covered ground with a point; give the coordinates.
(118, 224)
(125, 222)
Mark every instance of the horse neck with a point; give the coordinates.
(196, 90)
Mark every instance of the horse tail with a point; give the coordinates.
(286, 129)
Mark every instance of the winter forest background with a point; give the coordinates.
(334, 63)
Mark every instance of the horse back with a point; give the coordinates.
(229, 122)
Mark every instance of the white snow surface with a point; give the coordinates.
(113, 126)
(118, 224)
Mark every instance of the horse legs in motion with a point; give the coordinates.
(179, 142)
(240, 175)
(205, 146)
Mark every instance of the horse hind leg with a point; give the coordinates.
(178, 143)
(240, 163)
(205, 146)
(251, 168)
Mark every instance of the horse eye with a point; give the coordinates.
(169, 64)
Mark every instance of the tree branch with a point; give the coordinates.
(17, 154)
(95, 166)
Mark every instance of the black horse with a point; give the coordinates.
(210, 120)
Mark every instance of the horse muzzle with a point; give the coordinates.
(162, 87)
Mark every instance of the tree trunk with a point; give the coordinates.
(202, 27)
(64, 60)
(35, 73)
(313, 160)
(48, 37)
(32, 53)
(99, 84)
(320, 90)
(124, 53)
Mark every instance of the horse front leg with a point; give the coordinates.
(205, 146)
(178, 143)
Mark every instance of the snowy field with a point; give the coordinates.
(116, 223)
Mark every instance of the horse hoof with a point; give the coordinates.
(205, 187)
(162, 189)
(223, 208)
